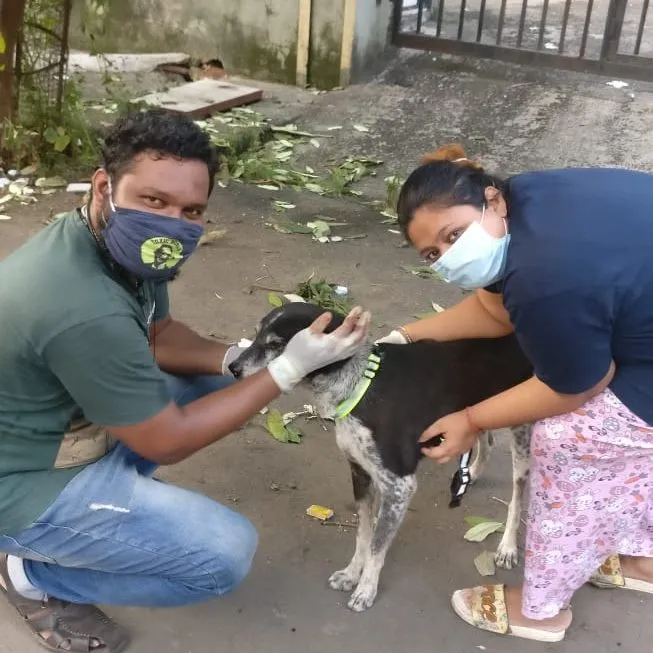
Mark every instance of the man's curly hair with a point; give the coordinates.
(160, 132)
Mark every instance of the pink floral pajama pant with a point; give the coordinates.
(591, 496)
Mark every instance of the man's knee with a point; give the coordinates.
(238, 555)
(228, 555)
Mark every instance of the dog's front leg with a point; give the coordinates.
(346, 579)
(507, 555)
(395, 495)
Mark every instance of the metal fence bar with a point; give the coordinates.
(586, 29)
(640, 29)
(481, 17)
(461, 19)
(545, 11)
(502, 17)
(563, 27)
(438, 29)
(522, 22)
(612, 33)
(420, 13)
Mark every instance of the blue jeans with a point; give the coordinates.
(117, 536)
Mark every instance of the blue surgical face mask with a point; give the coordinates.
(476, 259)
(148, 245)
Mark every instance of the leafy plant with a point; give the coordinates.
(321, 293)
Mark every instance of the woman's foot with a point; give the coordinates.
(626, 572)
(637, 568)
(498, 609)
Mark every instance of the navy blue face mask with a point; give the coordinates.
(148, 245)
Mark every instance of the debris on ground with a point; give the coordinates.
(393, 184)
(481, 528)
(323, 294)
(259, 152)
(436, 309)
(320, 229)
(617, 83)
(422, 271)
(78, 187)
(281, 431)
(319, 512)
(484, 563)
(25, 187)
(329, 296)
(209, 237)
(203, 97)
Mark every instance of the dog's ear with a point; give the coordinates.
(336, 321)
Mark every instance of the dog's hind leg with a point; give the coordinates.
(346, 579)
(507, 555)
(395, 493)
(483, 449)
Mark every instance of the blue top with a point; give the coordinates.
(579, 279)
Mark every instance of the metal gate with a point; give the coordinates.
(610, 37)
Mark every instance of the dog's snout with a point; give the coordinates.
(236, 369)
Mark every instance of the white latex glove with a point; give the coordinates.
(230, 356)
(312, 349)
(395, 337)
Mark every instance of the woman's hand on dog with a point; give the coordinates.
(458, 433)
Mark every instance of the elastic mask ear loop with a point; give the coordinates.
(505, 223)
(111, 204)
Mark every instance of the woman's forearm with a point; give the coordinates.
(529, 402)
(480, 315)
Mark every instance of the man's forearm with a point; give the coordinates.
(179, 350)
(529, 402)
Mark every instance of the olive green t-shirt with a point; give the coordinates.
(73, 339)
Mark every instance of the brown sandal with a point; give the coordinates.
(62, 626)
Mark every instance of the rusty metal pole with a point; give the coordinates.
(11, 21)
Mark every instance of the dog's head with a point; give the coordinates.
(273, 334)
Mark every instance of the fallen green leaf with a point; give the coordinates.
(484, 563)
(320, 228)
(475, 521)
(50, 182)
(291, 228)
(274, 300)
(480, 532)
(276, 427)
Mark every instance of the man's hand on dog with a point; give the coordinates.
(312, 348)
(458, 436)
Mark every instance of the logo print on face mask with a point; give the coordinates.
(162, 253)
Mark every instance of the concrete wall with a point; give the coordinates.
(371, 40)
(257, 38)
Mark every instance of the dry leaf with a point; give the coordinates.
(211, 236)
(484, 563)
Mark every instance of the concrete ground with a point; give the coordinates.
(512, 118)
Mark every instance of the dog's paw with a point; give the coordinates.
(362, 598)
(507, 557)
(343, 580)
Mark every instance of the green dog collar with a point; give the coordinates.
(345, 407)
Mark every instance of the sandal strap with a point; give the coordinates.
(488, 606)
(609, 574)
(71, 626)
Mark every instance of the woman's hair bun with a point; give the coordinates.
(453, 153)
